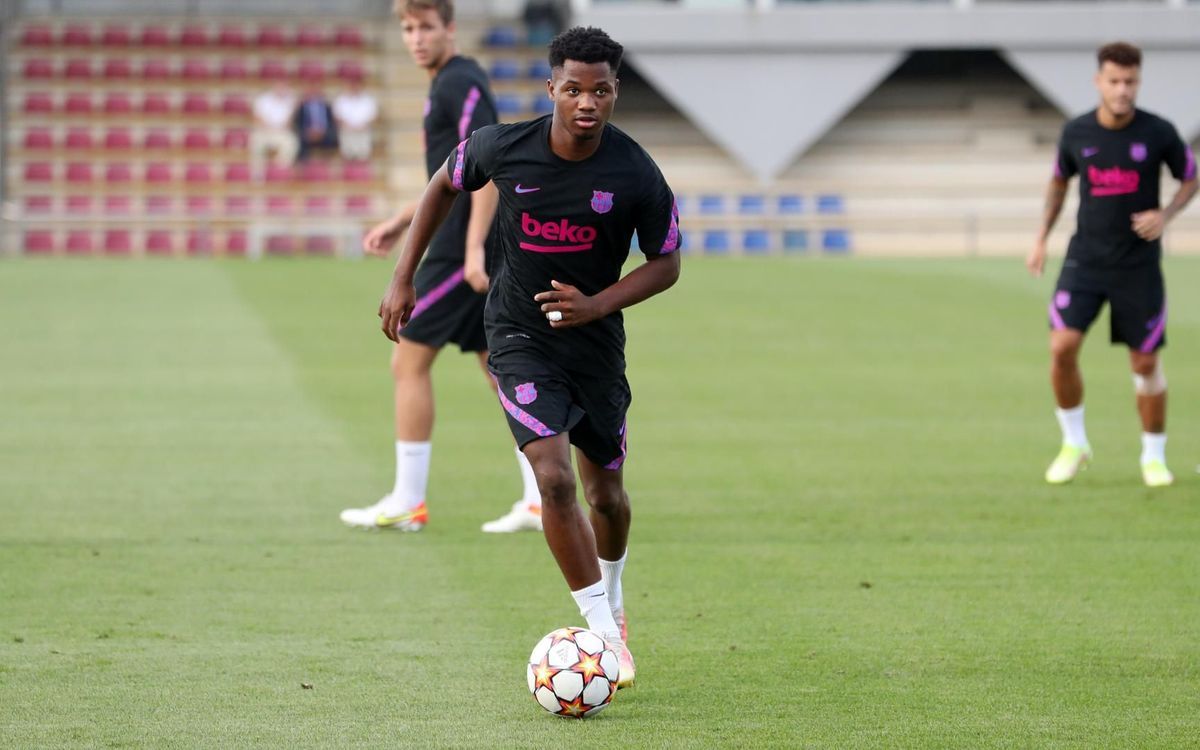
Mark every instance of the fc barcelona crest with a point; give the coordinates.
(526, 393)
(601, 201)
(1137, 151)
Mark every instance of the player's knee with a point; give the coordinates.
(606, 498)
(1064, 352)
(556, 483)
(1148, 376)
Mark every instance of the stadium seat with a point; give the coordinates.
(195, 69)
(118, 205)
(236, 139)
(752, 205)
(235, 104)
(539, 70)
(233, 69)
(79, 205)
(156, 69)
(830, 204)
(504, 70)
(318, 205)
(118, 242)
(356, 171)
(39, 138)
(116, 35)
(238, 205)
(155, 36)
(320, 244)
(194, 35)
(158, 172)
(310, 36)
(280, 205)
(348, 36)
(235, 242)
(197, 173)
(196, 103)
(156, 138)
(270, 36)
(155, 103)
(77, 68)
(509, 105)
(37, 36)
(358, 205)
(280, 244)
(716, 241)
(198, 205)
(231, 36)
(350, 70)
(117, 68)
(272, 70)
(77, 35)
(795, 240)
(197, 138)
(237, 172)
(310, 70)
(756, 241)
(278, 173)
(78, 103)
(39, 241)
(37, 68)
(118, 139)
(118, 103)
(835, 241)
(38, 204)
(790, 204)
(79, 172)
(712, 205)
(118, 172)
(541, 104)
(40, 103)
(160, 242)
(160, 205)
(501, 37)
(199, 242)
(39, 171)
(80, 242)
(316, 171)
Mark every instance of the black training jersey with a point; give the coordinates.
(459, 103)
(1119, 174)
(570, 221)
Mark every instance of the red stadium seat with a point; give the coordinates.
(280, 244)
(118, 68)
(38, 204)
(79, 205)
(279, 173)
(118, 103)
(237, 172)
(350, 70)
(78, 68)
(198, 205)
(310, 70)
(271, 36)
(80, 242)
(39, 241)
(238, 205)
(39, 138)
(196, 69)
(37, 68)
(116, 36)
(156, 69)
(280, 205)
(358, 205)
(39, 103)
(118, 205)
(196, 103)
(157, 138)
(356, 171)
(200, 242)
(236, 138)
(235, 104)
(235, 242)
(155, 36)
(194, 35)
(39, 171)
(37, 36)
(160, 205)
(118, 242)
(160, 242)
(310, 36)
(158, 172)
(156, 103)
(78, 103)
(79, 171)
(79, 138)
(197, 172)
(77, 35)
(118, 139)
(233, 69)
(318, 205)
(118, 172)
(272, 70)
(316, 171)
(197, 138)
(320, 244)
(231, 36)
(348, 36)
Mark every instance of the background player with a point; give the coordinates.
(1115, 255)
(573, 189)
(450, 283)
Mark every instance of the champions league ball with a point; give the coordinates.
(573, 673)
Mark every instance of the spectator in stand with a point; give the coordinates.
(273, 111)
(355, 110)
(314, 121)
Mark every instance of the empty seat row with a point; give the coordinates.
(157, 172)
(765, 241)
(122, 138)
(123, 103)
(758, 204)
(191, 69)
(515, 104)
(197, 241)
(514, 70)
(228, 206)
(189, 35)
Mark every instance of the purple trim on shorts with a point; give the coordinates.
(616, 462)
(1056, 321)
(1157, 324)
(523, 416)
(460, 154)
(433, 295)
(468, 109)
(671, 244)
(1189, 171)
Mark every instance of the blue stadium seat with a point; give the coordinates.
(830, 204)
(795, 240)
(716, 242)
(752, 205)
(685, 241)
(789, 203)
(501, 36)
(509, 104)
(756, 241)
(711, 205)
(541, 104)
(539, 70)
(504, 70)
(835, 241)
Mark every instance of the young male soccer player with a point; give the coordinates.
(449, 308)
(573, 189)
(1118, 152)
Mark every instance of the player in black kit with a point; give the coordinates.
(573, 189)
(1115, 255)
(450, 283)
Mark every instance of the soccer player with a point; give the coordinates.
(1117, 151)
(450, 283)
(573, 189)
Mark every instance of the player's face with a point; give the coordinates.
(584, 95)
(429, 41)
(1118, 87)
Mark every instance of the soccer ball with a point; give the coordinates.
(572, 672)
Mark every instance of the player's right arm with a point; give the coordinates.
(1056, 194)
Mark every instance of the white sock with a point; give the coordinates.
(1071, 422)
(593, 605)
(532, 495)
(412, 476)
(610, 576)
(1154, 447)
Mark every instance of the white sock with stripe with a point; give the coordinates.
(593, 605)
(610, 575)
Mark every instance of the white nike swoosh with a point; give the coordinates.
(520, 189)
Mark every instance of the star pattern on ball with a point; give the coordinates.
(589, 666)
(575, 708)
(543, 673)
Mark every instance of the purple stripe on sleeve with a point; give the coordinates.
(1189, 172)
(460, 155)
(1058, 173)
(468, 109)
(1157, 325)
(619, 460)
(433, 295)
(1056, 320)
(671, 244)
(523, 416)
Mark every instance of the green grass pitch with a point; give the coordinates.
(841, 538)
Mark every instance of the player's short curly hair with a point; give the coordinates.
(587, 45)
(1119, 53)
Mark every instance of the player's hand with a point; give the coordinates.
(575, 307)
(383, 237)
(1148, 224)
(1036, 260)
(396, 308)
(474, 274)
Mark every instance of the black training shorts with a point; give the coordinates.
(448, 310)
(1136, 296)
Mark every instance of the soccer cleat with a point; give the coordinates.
(622, 624)
(523, 517)
(376, 517)
(1068, 463)
(1156, 474)
(625, 672)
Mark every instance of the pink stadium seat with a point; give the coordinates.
(235, 242)
(157, 138)
(79, 171)
(316, 171)
(79, 242)
(272, 70)
(158, 172)
(271, 36)
(115, 35)
(156, 69)
(118, 103)
(118, 68)
(235, 104)
(79, 138)
(155, 103)
(318, 205)
(39, 241)
(200, 242)
(231, 36)
(118, 242)
(279, 173)
(237, 172)
(39, 102)
(78, 103)
(238, 205)
(350, 70)
(38, 204)
(196, 103)
(77, 35)
(39, 171)
(195, 69)
(118, 172)
(38, 68)
(280, 244)
(197, 138)
(347, 36)
(78, 68)
(37, 36)
(160, 205)
(160, 242)
(197, 172)
(233, 69)
(319, 244)
(155, 36)
(118, 205)
(310, 70)
(79, 205)
(198, 205)
(280, 205)
(236, 138)
(356, 171)
(358, 205)
(193, 35)
(39, 138)
(118, 139)
(310, 36)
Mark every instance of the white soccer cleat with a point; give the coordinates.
(377, 516)
(626, 671)
(1067, 463)
(523, 517)
(1156, 474)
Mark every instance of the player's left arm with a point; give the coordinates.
(1149, 225)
